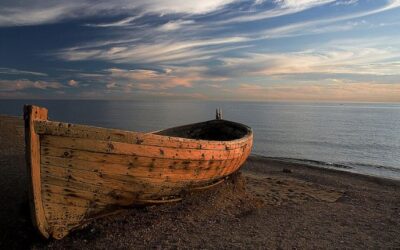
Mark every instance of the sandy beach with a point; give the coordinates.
(269, 204)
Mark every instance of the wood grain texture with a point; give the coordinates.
(86, 172)
(111, 147)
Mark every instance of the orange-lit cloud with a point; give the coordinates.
(17, 85)
(73, 83)
(334, 91)
(154, 80)
(363, 58)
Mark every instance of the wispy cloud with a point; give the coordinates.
(124, 22)
(175, 25)
(323, 25)
(283, 7)
(17, 85)
(184, 6)
(33, 12)
(288, 7)
(346, 2)
(9, 71)
(335, 57)
(179, 49)
(168, 51)
(329, 90)
(143, 79)
(390, 4)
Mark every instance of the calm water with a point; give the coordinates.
(363, 138)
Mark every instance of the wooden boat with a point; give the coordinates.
(80, 172)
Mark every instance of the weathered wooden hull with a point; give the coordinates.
(81, 172)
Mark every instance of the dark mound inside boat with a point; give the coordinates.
(215, 130)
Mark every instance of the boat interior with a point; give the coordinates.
(214, 130)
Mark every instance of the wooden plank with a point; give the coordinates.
(123, 182)
(89, 192)
(151, 169)
(109, 147)
(127, 183)
(150, 139)
(66, 198)
(83, 180)
(103, 194)
(90, 178)
(32, 143)
(130, 160)
(227, 170)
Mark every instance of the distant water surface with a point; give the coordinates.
(363, 138)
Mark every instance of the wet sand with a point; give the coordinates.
(269, 204)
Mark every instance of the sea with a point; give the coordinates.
(356, 137)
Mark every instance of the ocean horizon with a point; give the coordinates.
(356, 137)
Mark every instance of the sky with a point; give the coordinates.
(260, 50)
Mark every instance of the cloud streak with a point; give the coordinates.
(8, 71)
(169, 51)
(343, 58)
(336, 91)
(23, 84)
(143, 79)
(34, 12)
(283, 7)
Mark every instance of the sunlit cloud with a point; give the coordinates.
(143, 79)
(175, 25)
(181, 95)
(342, 91)
(17, 85)
(345, 57)
(33, 12)
(73, 83)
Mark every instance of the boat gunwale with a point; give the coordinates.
(45, 123)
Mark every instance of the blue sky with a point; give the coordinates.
(263, 50)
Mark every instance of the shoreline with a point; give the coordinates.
(270, 204)
(343, 167)
(308, 164)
